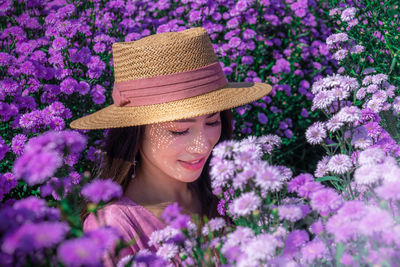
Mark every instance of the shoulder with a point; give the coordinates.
(121, 214)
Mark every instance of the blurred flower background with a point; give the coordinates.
(314, 179)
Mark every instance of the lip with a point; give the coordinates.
(193, 166)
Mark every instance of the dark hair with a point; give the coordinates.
(120, 152)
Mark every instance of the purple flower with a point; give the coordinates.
(36, 169)
(68, 86)
(247, 60)
(31, 237)
(221, 207)
(7, 182)
(105, 237)
(81, 251)
(83, 88)
(102, 190)
(317, 227)
(59, 43)
(245, 204)
(3, 148)
(234, 42)
(262, 118)
(18, 144)
(281, 65)
(316, 133)
(308, 189)
(325, 201)
(376, 220)
(294, 241)
(298, 181)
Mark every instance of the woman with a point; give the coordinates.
(171, 107)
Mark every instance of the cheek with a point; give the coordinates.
(214, 134)
(158, 144)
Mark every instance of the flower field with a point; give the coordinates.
(311, 179)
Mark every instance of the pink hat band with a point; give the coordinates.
(167, 88)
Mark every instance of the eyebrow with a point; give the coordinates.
(193, 120)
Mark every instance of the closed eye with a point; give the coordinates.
(215, 123)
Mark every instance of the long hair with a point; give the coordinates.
(120, 152)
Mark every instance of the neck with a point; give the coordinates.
(149, 189)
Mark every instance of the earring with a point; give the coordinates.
(134, 169)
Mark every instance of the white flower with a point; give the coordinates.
(167, 251)
(245, 204)
(340, 164)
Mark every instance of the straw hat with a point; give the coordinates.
(166, 77)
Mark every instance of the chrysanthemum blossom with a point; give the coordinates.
(81, 251)
(222, 171)
(348, 14)
(325, 200)
(349, 114)
(340, 164)
(337, 37)
(167, 251)
(360, 139)
(316, 133)
(341, 228)
(36, 169)
(334, 124)
(269, 178)
(352, 210)
(389, 190)
(340, 54)
(261, 247)
(322, 100)
(322, 167)
(164, 235)
(390, 172)
(245, 204)
(298, 181)
(30, 237)
(240, 235)
(291, 213)
(314, 250)
(375, 221)
(101, 190)
(214, 224)
(367, 174)
(371, 155)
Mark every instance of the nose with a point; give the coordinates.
(199, 144)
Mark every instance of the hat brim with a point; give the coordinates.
(232, 95)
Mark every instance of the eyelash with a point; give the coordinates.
(212, 124)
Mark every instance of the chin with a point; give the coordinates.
(189, 177)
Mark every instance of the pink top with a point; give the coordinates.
(133, 222)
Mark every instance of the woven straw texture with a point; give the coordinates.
(233, 95)
(162, 54)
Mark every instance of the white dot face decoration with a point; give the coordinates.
(179, 149)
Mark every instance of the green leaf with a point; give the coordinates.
(329, 178)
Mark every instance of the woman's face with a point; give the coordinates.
(179, 149)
